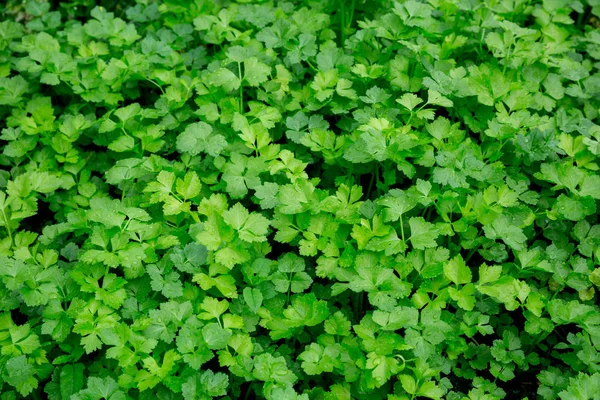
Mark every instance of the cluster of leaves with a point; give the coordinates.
(304, 199)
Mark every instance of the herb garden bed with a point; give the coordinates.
(293, 200)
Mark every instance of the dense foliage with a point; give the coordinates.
(329, 199)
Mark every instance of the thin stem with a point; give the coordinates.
(429, 211)
(241, 89)
(402, 228)
(357, 305)
(123, 228)
(194, 216)
(289, 293)
(342, 22)
(7, 225)
(480, 53)
(351, 18)
(506, 60)
(471, 253)
(371, 183)
(377, 178)
(248, 391)
(499, 373)
(175, 196)
(412, 396)
(157, 85)
(415, 112)
(581, 18)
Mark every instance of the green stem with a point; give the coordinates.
(412, 396)
(289, 293)
(175, 197)
(241, 89)
(371, 183)
(311, 64)
(157, 85)
(480, 54)
(402, 228)
(415, 112)
(123, 228)
(499, 373)
(246, 397)
(7, 225)
(342, 22)
(194, 216)
(351, 18)
(506, 60)
(471, 253)
(534, 342)
(377, 178)
(357, 306)
(581, 18)
(429, 211)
